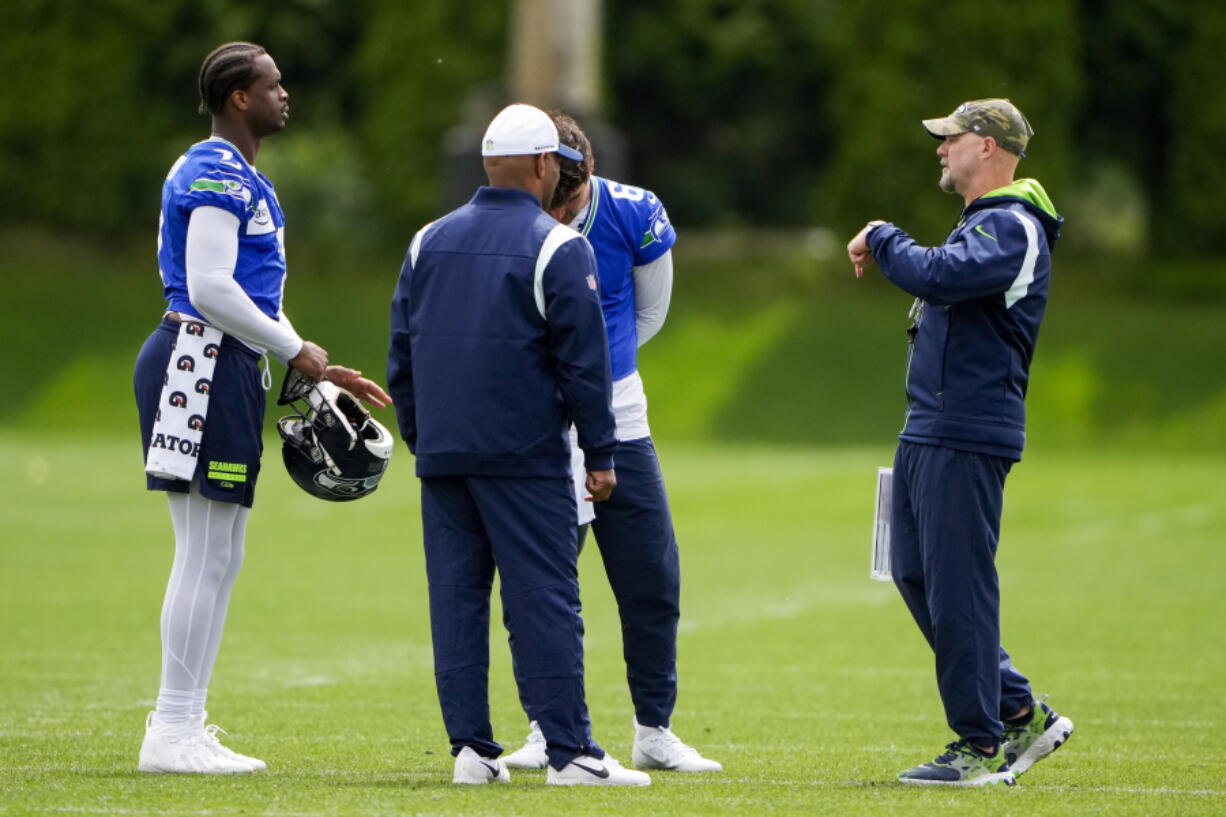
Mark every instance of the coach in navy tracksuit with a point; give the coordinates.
(979, 300)
(497, 344)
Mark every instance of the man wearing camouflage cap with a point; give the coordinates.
(979, 300)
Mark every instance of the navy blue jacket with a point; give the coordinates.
(980, 299)
(498, 343)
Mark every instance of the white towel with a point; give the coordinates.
(175, 443)
(587, 510)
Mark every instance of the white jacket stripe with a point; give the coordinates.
(557, 237)
(415, 244)
(1025, 276)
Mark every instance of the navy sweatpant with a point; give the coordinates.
(634, 531)
(524, 529)
(945, 525)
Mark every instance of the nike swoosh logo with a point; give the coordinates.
(602, 772)
(979, 229)
(493, 767)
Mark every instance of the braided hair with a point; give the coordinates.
(572, 175)
(229, 68)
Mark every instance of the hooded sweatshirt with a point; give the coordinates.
(980, 298)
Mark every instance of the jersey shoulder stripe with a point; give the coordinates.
(212, 174)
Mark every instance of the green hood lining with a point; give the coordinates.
(1031, 191)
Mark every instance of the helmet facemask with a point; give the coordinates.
(333, 448)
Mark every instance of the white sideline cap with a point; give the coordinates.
(520, 130)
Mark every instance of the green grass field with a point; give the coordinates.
(806, 679)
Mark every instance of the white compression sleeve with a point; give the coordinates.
(653, 290)
(284, 319)
(208, 554)
(238, 539)
(211, 253)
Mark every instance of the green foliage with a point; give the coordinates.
(1192, 222)
(318, 173)
(1124, 122)
(722, 105)
(746, 112)
(811, 110)
(898, 63)
(1108, 212)
(108, 96)
(76, 90)
(416, 69)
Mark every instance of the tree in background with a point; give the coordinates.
(418, 68)
(722, 103)
(900, 62)
(738, 112)
(1189, 217)
(101, 97)
(80, 141)
(797, 111)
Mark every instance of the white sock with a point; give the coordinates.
(198, 698)
(174, 707)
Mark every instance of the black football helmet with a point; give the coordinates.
(332, 447)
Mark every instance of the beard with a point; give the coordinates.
(947, 183)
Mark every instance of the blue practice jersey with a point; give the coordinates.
(214, 174)
(627, 227)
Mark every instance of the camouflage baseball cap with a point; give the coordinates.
(998, 118)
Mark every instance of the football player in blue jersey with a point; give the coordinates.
(200, 391)
(629, 230)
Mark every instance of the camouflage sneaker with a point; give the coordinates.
(961, 765)
(1027, 743)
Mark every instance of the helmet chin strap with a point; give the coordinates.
(332, 466)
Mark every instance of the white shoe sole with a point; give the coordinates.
(1050, 741)
(602, 774)
(252, 764)
(157, 768)
(998, 779)
(642, 760)
(470, 782)
(598, 782)
(503, 776)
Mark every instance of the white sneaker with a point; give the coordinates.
(656, 747)
(471, 767)
(180, 749)
(532, 755)
(588, 771)
(211, 740)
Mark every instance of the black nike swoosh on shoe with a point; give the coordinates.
(493, 767)
(602, 772)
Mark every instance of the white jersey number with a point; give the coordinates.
(625, 191)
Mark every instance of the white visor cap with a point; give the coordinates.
(521, 130)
